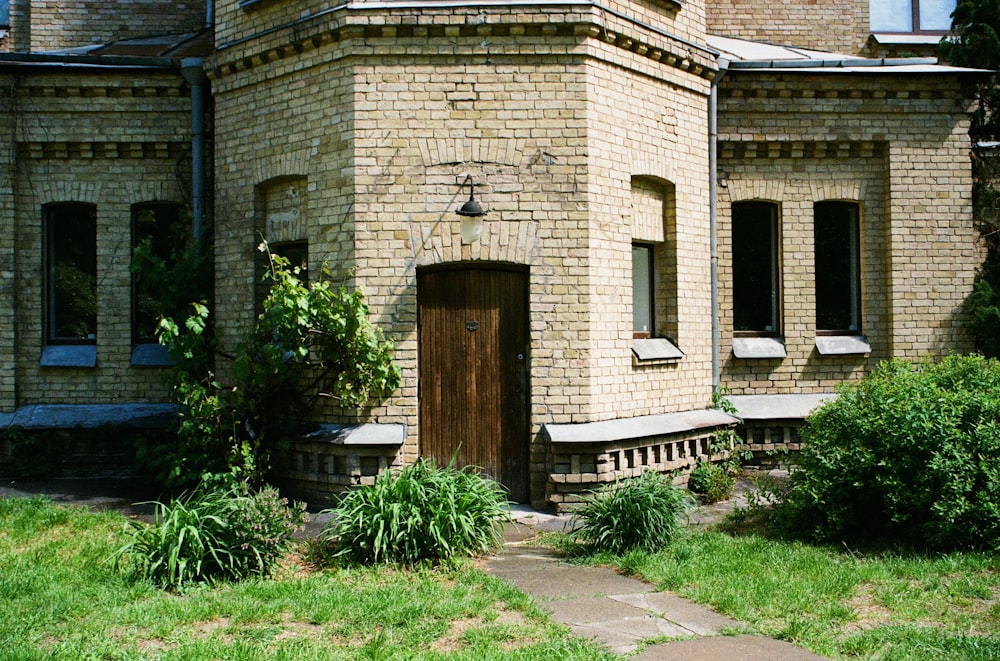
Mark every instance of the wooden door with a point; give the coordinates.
(473, 344)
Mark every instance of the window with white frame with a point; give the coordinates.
(836, 233)
(911, 16)
(70, 273)
(643, 304)
(756, 277)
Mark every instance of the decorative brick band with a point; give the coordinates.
(94, 150)
(799, 149)
(815, 94)
(514, 27)
(110, 91)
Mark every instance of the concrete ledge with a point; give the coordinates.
(365, 434)
(640, 427)
(759, 347)
(655, 348)
(151, 355)
(842, 345)
(69, 355)
(90, 416)
(778, 407)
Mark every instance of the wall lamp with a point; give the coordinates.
(472, 215)
(472, 208)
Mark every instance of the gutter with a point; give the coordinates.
(834, 64)
(89, 61)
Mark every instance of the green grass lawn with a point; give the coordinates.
(63, 599)
(837, 602)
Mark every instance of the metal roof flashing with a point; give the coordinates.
(757, 56)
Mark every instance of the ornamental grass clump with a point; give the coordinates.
(422, 513)
(642, 513)
(212, 534)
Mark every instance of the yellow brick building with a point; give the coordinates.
(670, 208)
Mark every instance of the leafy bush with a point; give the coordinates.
(712, 481)
(310, 342)
(910, 455)
(422, 513)
(642, 513)
(212, 534)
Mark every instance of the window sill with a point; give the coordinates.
(759, 347)
(842, 345)
(912, 39)
(69, 355)
(655, 349)
(148, 354)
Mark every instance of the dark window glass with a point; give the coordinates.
(755, 267)
(71, 273)
(835, 229)
(642, 291)
(297, 254)
(161, 230)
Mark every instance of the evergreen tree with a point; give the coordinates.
(976, 44)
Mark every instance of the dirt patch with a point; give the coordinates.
(868, 613)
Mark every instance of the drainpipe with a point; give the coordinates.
(191, 67)
(209, 13)
(713, 187)
(19, 17)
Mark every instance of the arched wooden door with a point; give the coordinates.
(473, 344)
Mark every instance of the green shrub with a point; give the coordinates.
(641, 513)
(212, 534)
(910, 455)
(422, 513)
(713, 481)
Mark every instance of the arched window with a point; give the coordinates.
(161, 232)
(70, 273)
(837, 267)
(756, 274)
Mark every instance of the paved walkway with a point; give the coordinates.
(621, 612)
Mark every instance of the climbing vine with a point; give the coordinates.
(310, 342)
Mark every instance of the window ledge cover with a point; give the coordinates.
(69, 355)
(655, 348)
(842, 345)
(915, 39)
(759, 347)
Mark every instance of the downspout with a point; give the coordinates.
(191, 68)
(713, 187)
(209, 13)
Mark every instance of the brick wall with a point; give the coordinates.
(829, 25)
(541, 111)
(60, 24)
(112, 141)
(893, 146)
